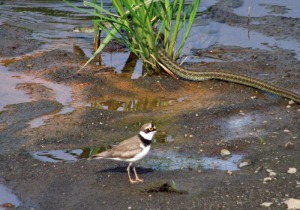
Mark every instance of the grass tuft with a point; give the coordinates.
(144, 26)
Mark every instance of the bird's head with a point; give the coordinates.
(147, 131)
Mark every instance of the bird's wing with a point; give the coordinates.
(126, 155)
(126, 149)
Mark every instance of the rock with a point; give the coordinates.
(271, 172)
(292, 203)
(244, 163)
(229, 173)
(7, 206)
(292, 170)
(289, 145)
(291, 102)
(267, 179)
(225, 152)
(266, 204)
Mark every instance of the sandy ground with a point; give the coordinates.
(214, 115)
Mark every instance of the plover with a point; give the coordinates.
(132, 149)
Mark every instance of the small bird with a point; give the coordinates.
(132, 149)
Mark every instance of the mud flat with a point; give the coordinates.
(50, 121)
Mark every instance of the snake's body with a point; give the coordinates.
(201, 76)
(230, 77)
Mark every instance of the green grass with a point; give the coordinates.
(148, 25)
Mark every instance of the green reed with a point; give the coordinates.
(148, 25)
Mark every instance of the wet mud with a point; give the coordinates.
(195, 121)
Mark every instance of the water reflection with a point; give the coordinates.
(132, 105)
(157, 159)
(144, 104)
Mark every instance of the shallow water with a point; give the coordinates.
(7, 197)
(213, 33)
(10, 94)
(287, 8)
(167, 160)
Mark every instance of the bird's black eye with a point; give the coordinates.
(150, 129)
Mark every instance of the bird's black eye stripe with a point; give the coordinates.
(148, 130)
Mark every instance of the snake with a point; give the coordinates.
(166, 62)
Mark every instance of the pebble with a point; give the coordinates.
(244, 163)
(7, 206)
(267, 179)
(286, 131)
(292, 203)
(291, 102)
(289, 145)
(266, 204)
(271, 172)
(242, 113)
(225, 152)
(292, 170)
(229, 173)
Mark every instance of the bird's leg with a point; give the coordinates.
(137, 179)
(128, 171)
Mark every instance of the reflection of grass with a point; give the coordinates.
(148, 25)
(143, 104)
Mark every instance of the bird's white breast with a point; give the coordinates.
(141, 154)
(148, 136)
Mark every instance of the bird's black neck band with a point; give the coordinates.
(144, 141)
